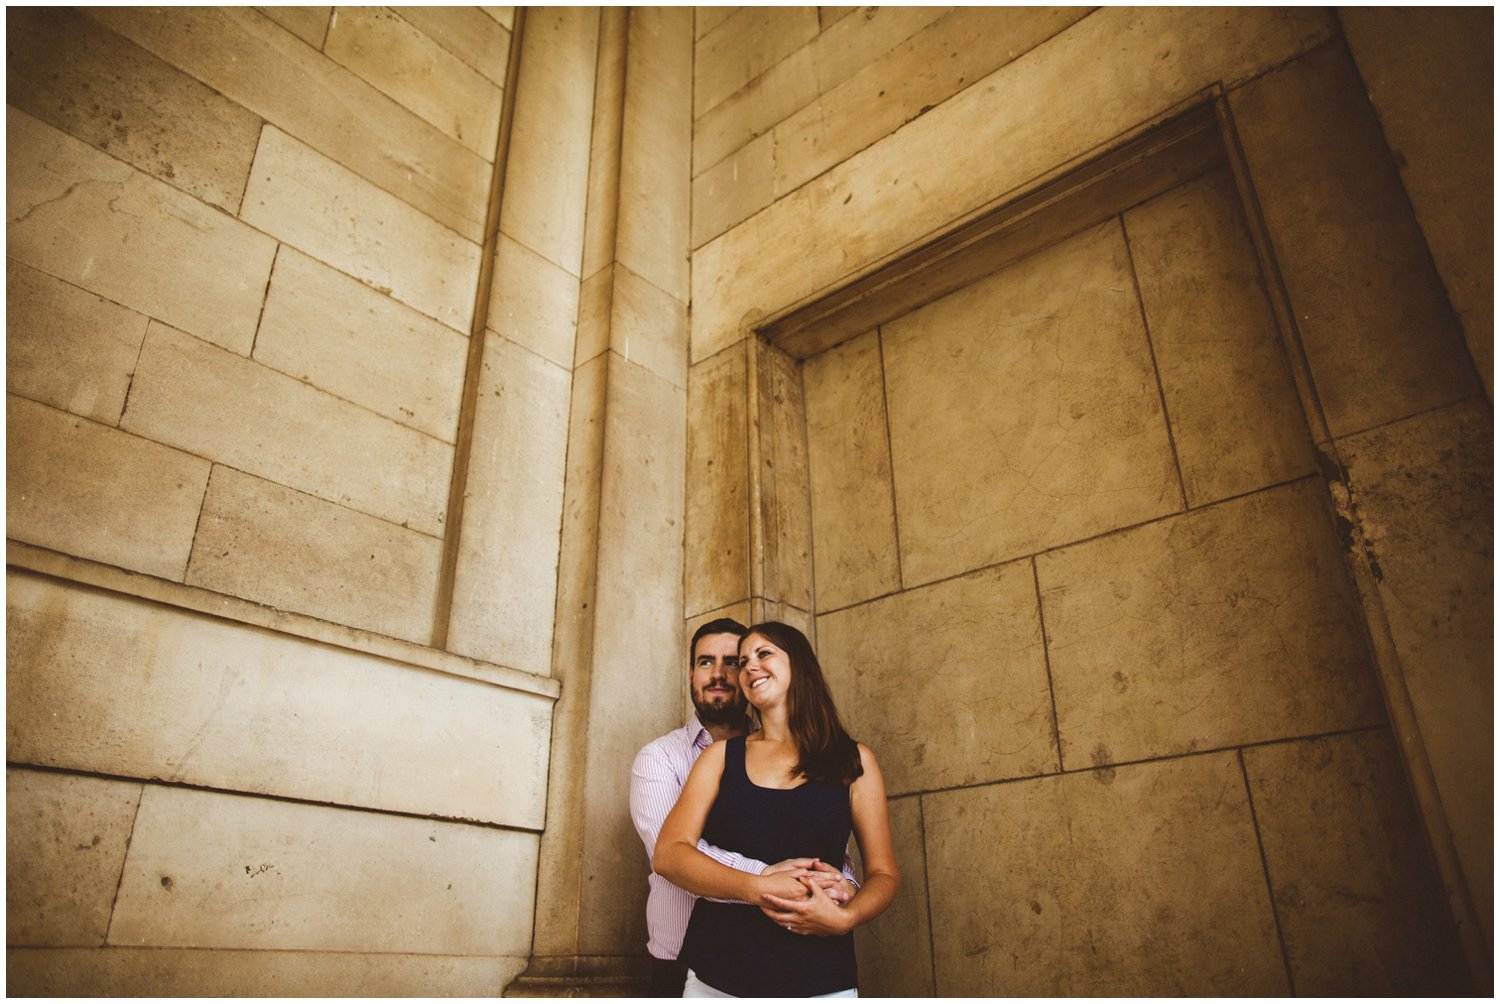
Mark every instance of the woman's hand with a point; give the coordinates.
(813, 913)
(833, 881)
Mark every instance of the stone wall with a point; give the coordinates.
(1114, 555)
(288, 410)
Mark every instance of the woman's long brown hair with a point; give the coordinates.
(825, 751)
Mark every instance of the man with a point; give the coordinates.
(656, 779)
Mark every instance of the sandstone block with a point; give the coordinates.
(849, 457)
(505, 582)
(67, 347)
(1358, 899)
(648, 326)
(744, 45)
(1142, 880)
(209, 870)
(706, 19)
(897, 665)
(1055, 432)
(342, 336)
(308, 23)
(718, 484)
(92, 221)
(1223, 626)
(474, 36)
(91, 83)
(733, 189)
(785, 545)
(108, 684)
(95, 492)
(273, 545)
(534, 303)
(752, 111)
(65, 841)
(402, 62)
(217, 405)
(1236, 420)
(895, 950)
(255, 62)
(323, 209)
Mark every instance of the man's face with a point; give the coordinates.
(716, 679)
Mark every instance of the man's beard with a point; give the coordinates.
(729, 713)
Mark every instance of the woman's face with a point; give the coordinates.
(765, 671)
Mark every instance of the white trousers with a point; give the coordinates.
(697, 988)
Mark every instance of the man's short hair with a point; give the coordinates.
(723, 625)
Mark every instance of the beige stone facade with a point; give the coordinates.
(391, 392)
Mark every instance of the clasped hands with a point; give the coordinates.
(806, 896)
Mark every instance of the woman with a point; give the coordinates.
(797, 785)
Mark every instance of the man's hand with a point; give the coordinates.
(814, 913)
(821, 873)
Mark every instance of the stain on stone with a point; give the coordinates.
(1122, 682)
(166, 882)
(1330, 468)
(1036, 907)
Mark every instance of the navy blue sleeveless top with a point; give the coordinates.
(734, 947)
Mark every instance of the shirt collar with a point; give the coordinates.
(699, 737)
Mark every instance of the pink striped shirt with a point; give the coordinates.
(656, 778)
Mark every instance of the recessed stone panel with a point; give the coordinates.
(1424, 492)
(276, 546)
(895, 949)
(65, 841)
(402, 62)
(1228, 625)
(67, 347)
(1360, 905)
(849, 457)
(90, 220)
(152, 972)
(718, 486)
(95, 492)
(1375, 322)
(1138, 881)
(256, 62)
(467, 32)
(319, 207)
(786, 523)
(209, 870)
(342, 336)
(1236, 420)
(1024, 412)
(100, 682)
(215, 404)
(947, 683)
(505, 581)
(91, 83)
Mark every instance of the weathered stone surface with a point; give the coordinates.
(505, 582)
(1236, 421)
(947, 683)
(469, 33)
(215, 404)
(1378, 331)
(317, 206)
(706, 19)
(595, 296)
(1144, 880)
(99, 493)
(656, 150)
(408, 66)
(1359, 903)
(65, 841)
(1055, 432)
(504, 16)
(602, 221)
(89, 82)
(744, 45)
(66, 347)
(733, 189)
(341, 336)
(639, 591)
(648, 327)
(718, 485)
(90, 220)
(534, 303)
(308, 23)
(895, 950)
(101, 682)
(754, 109)
(1424, 492)
(785, 546)
(149, 972)
(273, 545)
(546, 173)
(253, 61)
(1428, 73)
(1228, 625)
(1117, 68)
(951, 53)
(849, 457)
(208, 870)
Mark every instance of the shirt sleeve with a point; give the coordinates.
(654, 789)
